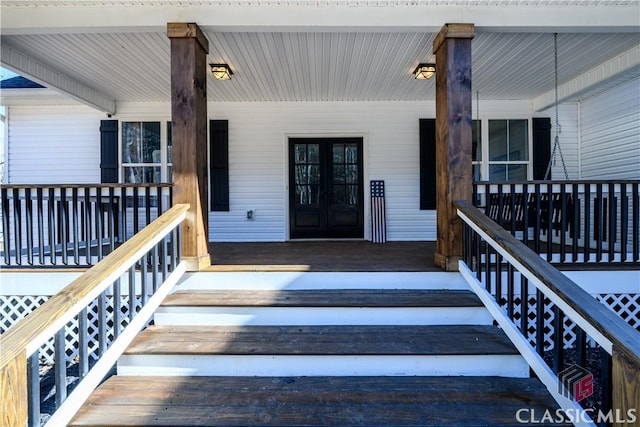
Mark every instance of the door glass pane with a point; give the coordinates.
(518, 136)
(314, 153)
(338, 153)
(339, 174)
(498, 140)
(351, 174)
(169, 144)
(314, 174)
(302, 194)
(352, 195)
(301, 174)
(351, 153)
(301, 153)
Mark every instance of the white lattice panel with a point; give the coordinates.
(15, 308)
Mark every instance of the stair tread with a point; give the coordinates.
(324, 298)
(322, 340)
(285, 401)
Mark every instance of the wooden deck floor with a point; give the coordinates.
(323, 256)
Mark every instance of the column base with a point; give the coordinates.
(197, 263)
(447, 263)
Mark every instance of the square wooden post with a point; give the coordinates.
(452, 47)
(189, 48)
(625, 380)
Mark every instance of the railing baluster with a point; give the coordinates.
(575, 230)
(479, 259)
(87, 225)
(83, 343)
(524, 306)
(136, 206)
(117, 311)
(635, 215)
(147, 204)
(538, 225)
(28, 211)
(51, 215)
(17, 225)
(6, 240)
(587, 222)
(111, 219)
(605, 381)
(40, 215)
(624, 222)
(143, 279)
(60, 366)
(581, 347)
(132, 292)
(512, 206)
(76, 225)
(599, 225)
(613, 218)
(64, 225)
(563, 223)
(525, 213)
(123, 213)
(102, 323)
(487, 269)
(558, 339)
(499, 278)
(154, 268)
(99, 223)
(510, 291)
(33, 393)
(540, 306)
(549, 203)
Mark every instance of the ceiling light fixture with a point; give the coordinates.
(221, 71)
(424, 71)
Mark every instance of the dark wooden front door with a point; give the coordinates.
(326, 195)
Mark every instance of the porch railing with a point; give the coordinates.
(74, 225)
(514, 282)
(150, 262)
(577, 222)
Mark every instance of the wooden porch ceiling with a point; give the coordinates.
(108, 52)
(323, 256)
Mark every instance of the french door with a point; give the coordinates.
(326, 195)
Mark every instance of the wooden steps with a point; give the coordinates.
(323, 307)
(336, 349)
(313, 401)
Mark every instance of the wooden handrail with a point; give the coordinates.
(30, 333)
(603, 320)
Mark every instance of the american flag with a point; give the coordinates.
(378, 220)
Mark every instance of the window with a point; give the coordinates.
(508, 149)
(146, 152)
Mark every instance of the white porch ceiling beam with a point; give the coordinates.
(626, 64)
(128, 17)
(32, 69)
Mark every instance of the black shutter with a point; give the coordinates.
(219, 164)
(541, 146)
(427, 164)
(108, 151)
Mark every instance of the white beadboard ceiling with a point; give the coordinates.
(318, 66)
(319, 50)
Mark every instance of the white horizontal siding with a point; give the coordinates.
(611, 133)
(53, 145)
(568, 144)
(258, 161)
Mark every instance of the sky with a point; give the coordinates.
(6, 74)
